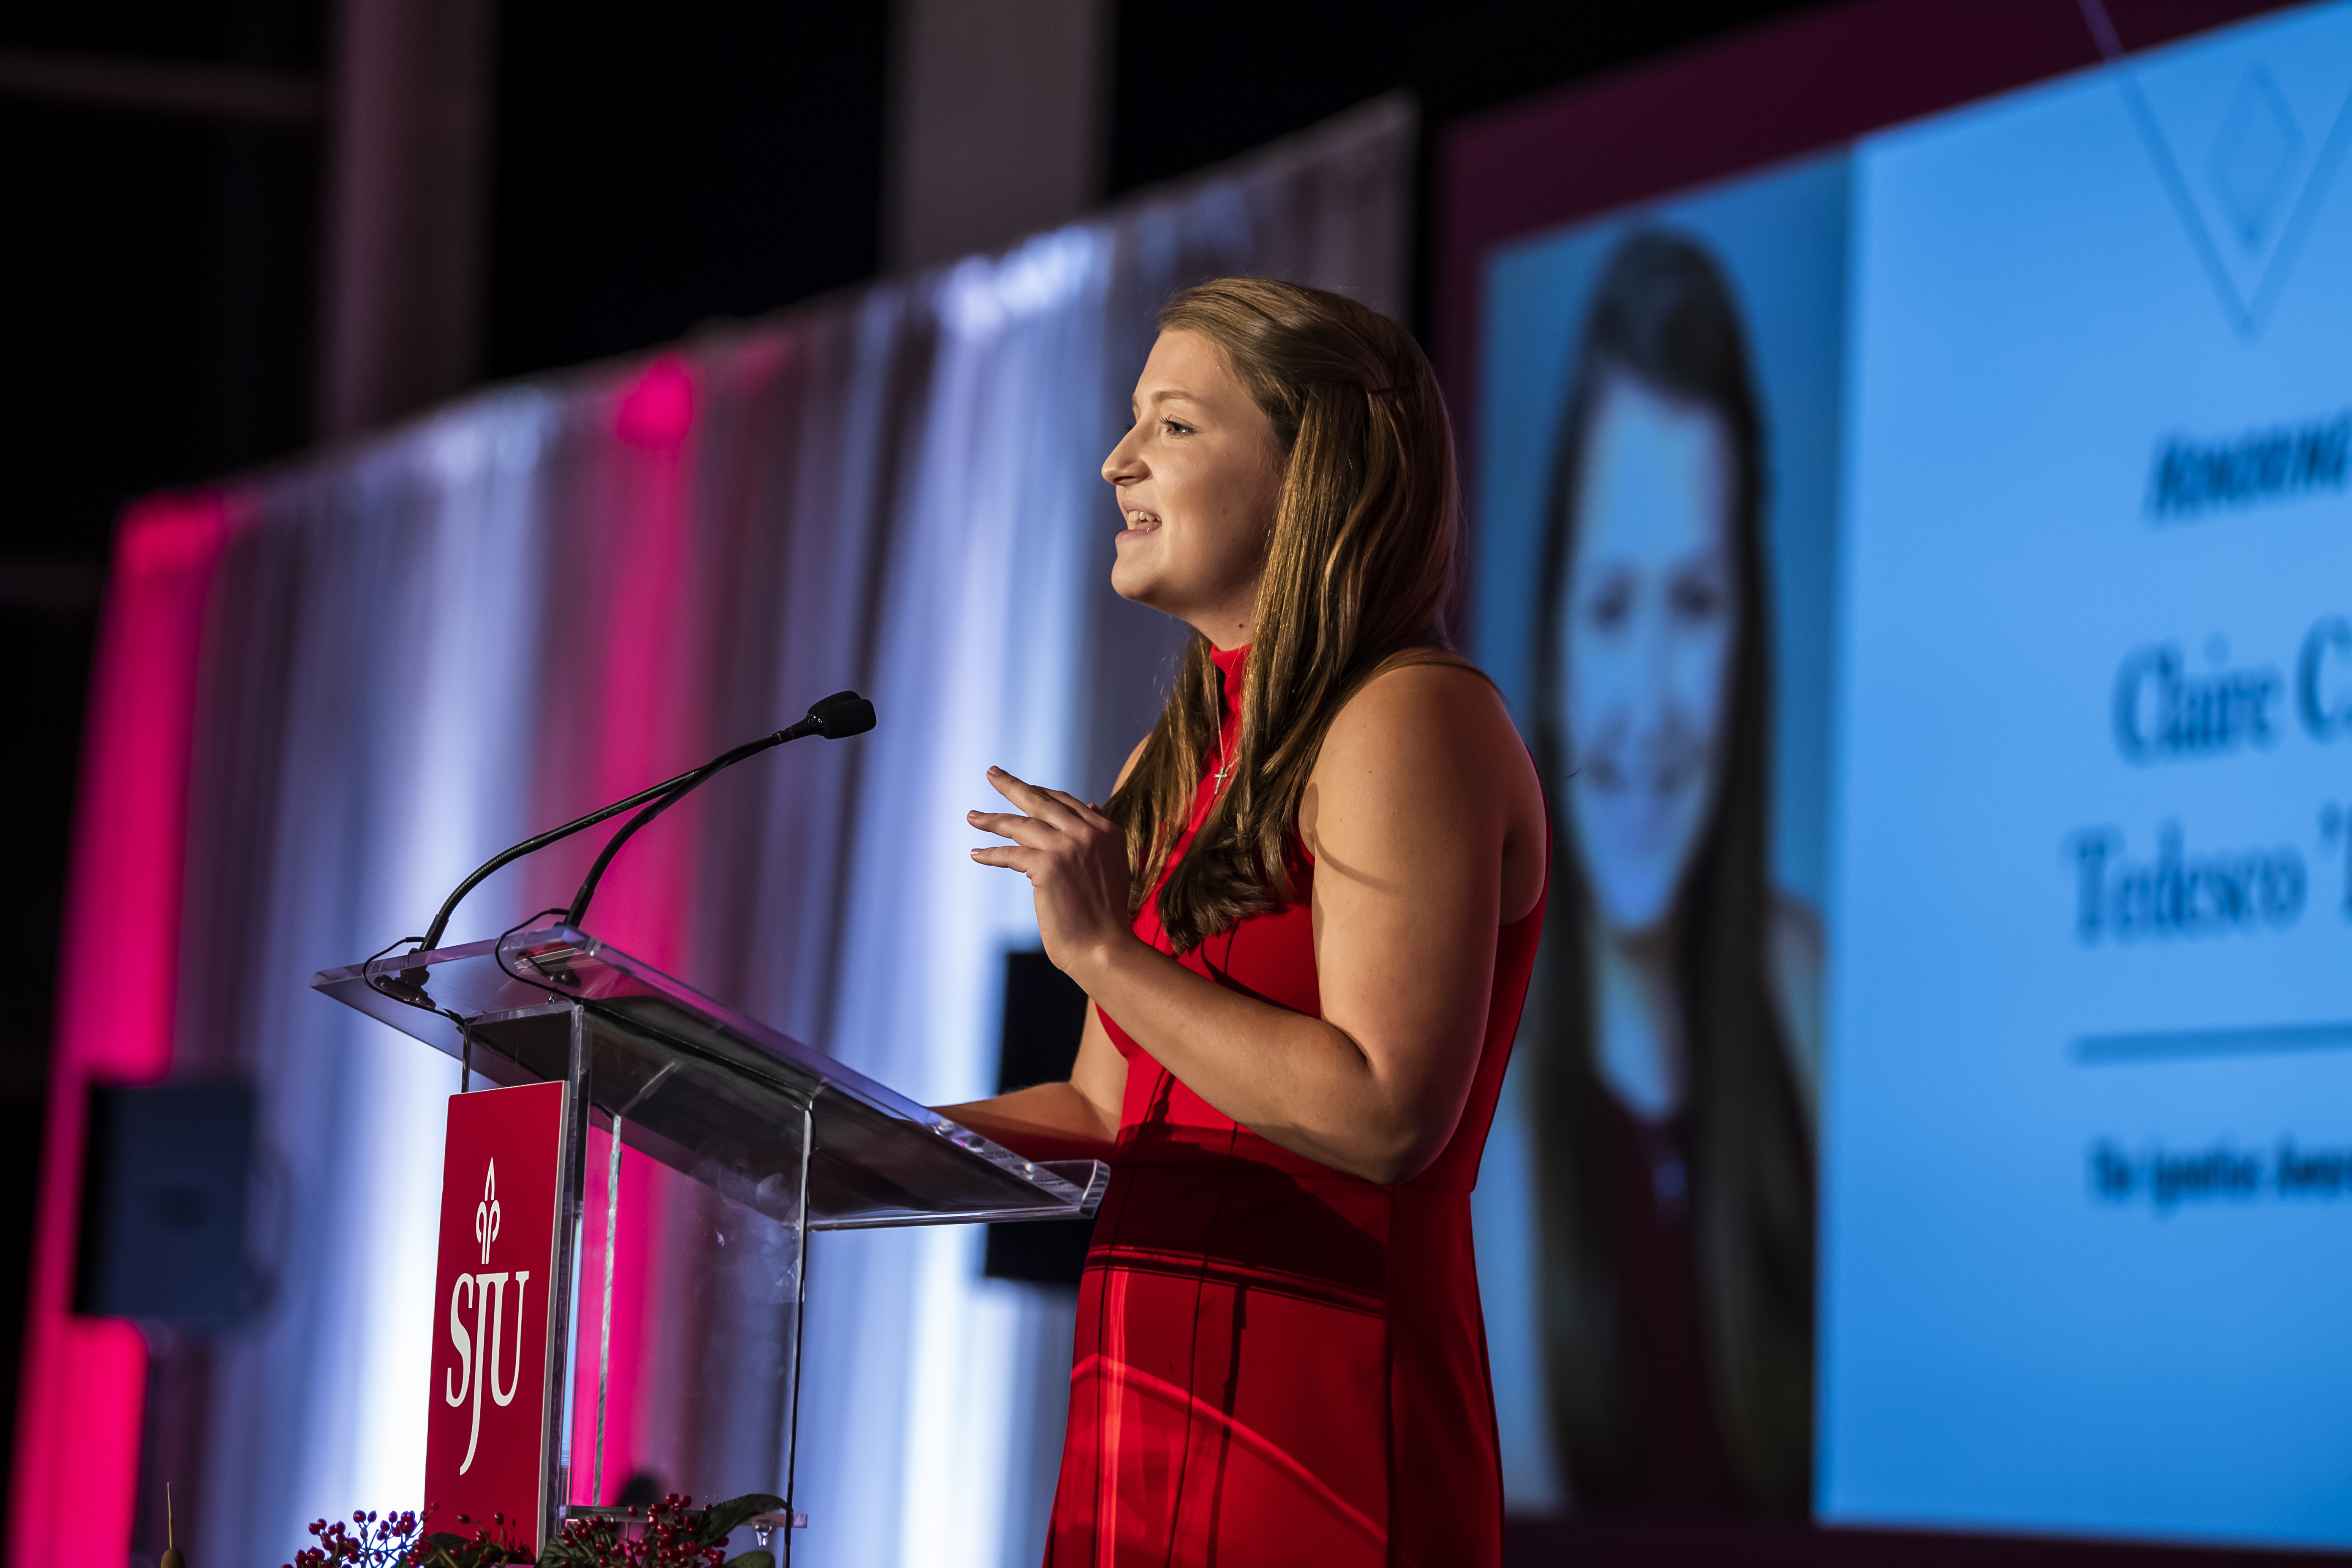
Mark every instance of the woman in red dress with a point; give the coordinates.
(1305, 920)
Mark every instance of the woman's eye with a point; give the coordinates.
(1176, 427)
(1697, 599)
(1607, 605)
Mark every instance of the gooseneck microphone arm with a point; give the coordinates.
(432, 937)
(838, 717)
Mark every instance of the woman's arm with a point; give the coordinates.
(1073, 1120)
(1426, 825)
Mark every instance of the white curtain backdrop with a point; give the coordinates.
(422, 649)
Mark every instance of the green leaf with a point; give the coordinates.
(566, 1551)
(720, 1519)
(749, 1560)
(446, 1547)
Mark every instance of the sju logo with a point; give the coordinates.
(480, 1354)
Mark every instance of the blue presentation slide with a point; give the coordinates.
(2086, 1160)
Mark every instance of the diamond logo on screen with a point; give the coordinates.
(2247, 147)
(2254, 157)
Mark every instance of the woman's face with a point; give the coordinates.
(1651, 619)
(1198, 478)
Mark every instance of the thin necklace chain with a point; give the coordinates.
(1224, 762)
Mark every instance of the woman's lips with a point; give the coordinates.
(1139, 524)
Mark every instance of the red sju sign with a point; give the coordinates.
(501, 1175)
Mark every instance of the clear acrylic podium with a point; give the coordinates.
(777, 1140)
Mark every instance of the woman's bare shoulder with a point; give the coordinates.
(1128, 766)
(1429, 743)
(1432, 702)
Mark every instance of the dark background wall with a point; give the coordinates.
(1205, 81)
(658, 165)
(162, 171)
(157, 277)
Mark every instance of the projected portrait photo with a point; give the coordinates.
(1660, 1186)
(1673, 1179)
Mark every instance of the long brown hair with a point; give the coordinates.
(1358, 570)
(1661, 316)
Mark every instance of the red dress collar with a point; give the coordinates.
(1233, 665)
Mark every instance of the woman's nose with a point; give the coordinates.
(1651, 678)
(1123, 463)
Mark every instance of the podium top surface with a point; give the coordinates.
(704, 1090)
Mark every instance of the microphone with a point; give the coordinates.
(836, 718)
(841, 715)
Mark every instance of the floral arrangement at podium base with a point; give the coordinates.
(673, 1534)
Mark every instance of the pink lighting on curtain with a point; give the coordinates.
(77, 1419)
(658, 407)
(636, 1276)
(650, 726)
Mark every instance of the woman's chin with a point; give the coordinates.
(1629, 913)
(1635, 876)
(1135, 572)
(1130, 583)
(1636, 846)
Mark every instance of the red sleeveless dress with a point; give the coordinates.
(1278, 1363)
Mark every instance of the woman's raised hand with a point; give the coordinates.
(1076, 860)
